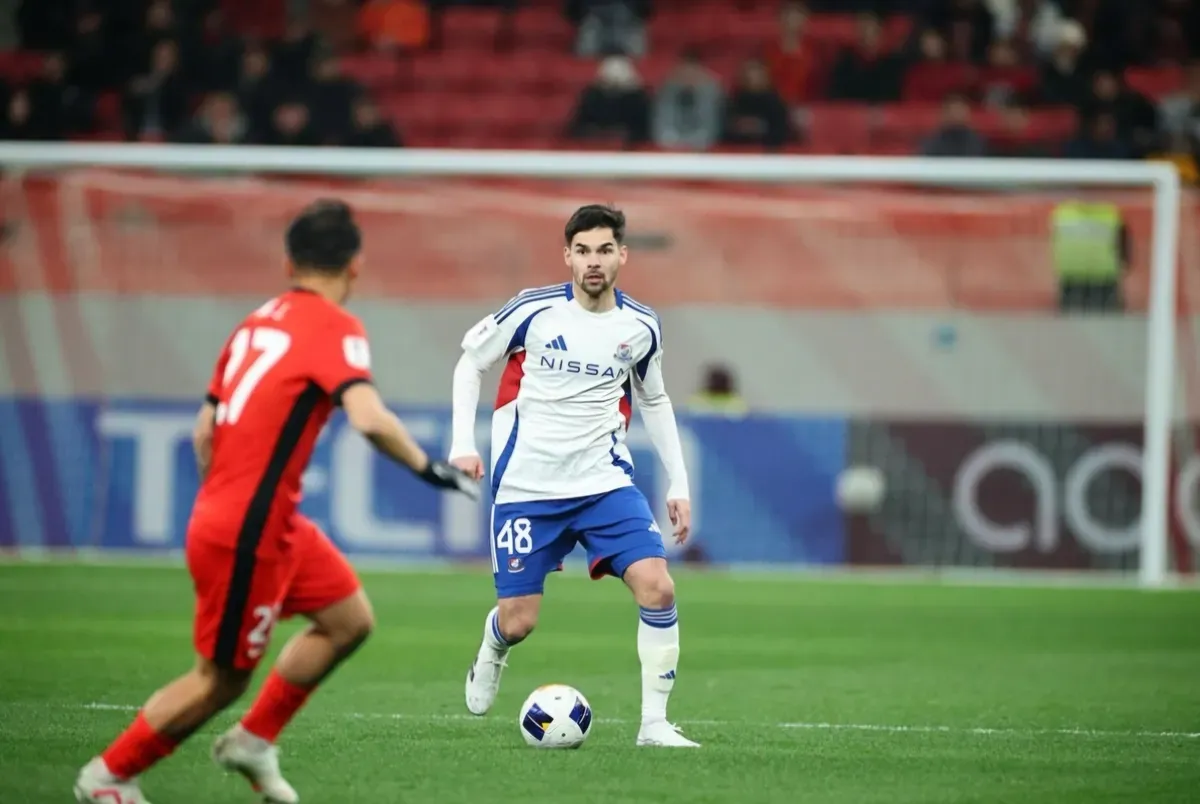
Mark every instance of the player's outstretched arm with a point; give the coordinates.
(468, 378)
(202, 437)
(369, 416)
(658, 414)
(484, 345)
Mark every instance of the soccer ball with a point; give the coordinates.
(556, 716)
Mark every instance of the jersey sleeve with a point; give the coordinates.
(503, 332)
(341, 358)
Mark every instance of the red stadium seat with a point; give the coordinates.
(838, 128)
(543, 28)
(470, 29)
(1155, 82)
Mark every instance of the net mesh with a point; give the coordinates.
(925, 321)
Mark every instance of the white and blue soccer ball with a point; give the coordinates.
(556, 716)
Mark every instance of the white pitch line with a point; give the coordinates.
(867, 727)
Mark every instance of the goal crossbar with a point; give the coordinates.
(1160, 178)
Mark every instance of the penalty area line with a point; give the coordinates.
(878, 728)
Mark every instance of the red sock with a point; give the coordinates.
(277, 703)
(138, 747)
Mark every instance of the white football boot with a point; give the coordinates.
(256, 759)
(662, 733)
(97, 785)
(483, 679)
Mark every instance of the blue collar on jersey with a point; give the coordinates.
(571, 294)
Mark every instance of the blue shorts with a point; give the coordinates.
(531, 539)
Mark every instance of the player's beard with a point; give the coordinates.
(596, 291)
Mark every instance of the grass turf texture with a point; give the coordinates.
(894, 692)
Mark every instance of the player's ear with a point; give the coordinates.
(356, 265)
(567, 255)
(623, 252)
(289, 268)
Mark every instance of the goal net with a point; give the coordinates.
(919, 390)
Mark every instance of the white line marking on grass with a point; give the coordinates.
(866, 727)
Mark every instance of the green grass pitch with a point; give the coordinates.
(800, 689)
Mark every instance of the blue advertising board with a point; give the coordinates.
(120, 475)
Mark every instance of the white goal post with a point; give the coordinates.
(1160, 179)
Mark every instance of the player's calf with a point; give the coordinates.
(507, 624)
(170, 716)
(658, 647)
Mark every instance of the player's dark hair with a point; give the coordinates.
(596, 216)
(324, 237)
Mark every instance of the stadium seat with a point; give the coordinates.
(1155, 82)
(838, 128)
(471, 29)
(542, 29)
(372, 70)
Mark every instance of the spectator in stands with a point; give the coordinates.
(257, 89)
(22, 122)
(1063, 80)
(965, 26)
(221, 53)
(67, 110)
(1097, 138)
(614, 105)
(609, 27)
(1004, 80)
(293, 54)
(158, 24)
(219, 122)
(790, 60)
(330, 98)
(398, 26)
(1179, 115)
(156, 102)
(370, 129)
(754, 113)
(954, 136)
(718, 394)
(92, 67)
(933, 76)
(1031, 25)
(865, 72)
(291, 124)
(687, 108)
(1135, 115)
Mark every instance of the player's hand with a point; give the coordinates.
(445, 476)
(680, 512)
(471, 464)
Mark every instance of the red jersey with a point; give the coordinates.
(278, 378)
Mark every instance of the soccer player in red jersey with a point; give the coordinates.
(252, 557)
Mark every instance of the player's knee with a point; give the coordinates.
(517, 622)
(656, 591)
(356, 631)
(222, 685)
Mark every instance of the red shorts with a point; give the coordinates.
(239, 599)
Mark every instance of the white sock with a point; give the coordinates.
(658, 650)
(493, 639)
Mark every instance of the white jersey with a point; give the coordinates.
(566, 395)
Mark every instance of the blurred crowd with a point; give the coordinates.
(179, 71)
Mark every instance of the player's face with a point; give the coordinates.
(595, 259)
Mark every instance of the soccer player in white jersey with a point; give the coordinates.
(576, 354)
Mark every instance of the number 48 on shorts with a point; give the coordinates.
(515, 536)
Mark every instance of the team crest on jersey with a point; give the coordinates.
(624, 353)
(515, 564)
